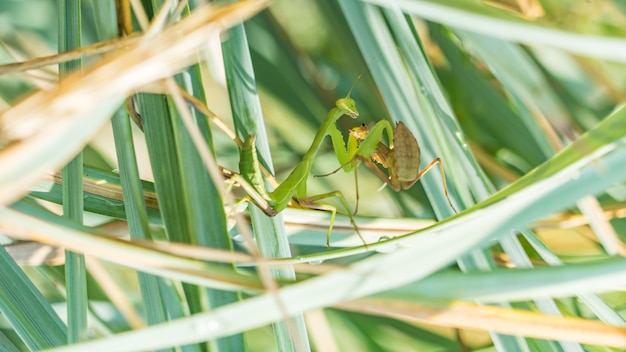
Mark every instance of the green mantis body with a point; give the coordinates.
(294, 187)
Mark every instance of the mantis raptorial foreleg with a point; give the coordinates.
(359, 147)
(359, 144)
(401, 158)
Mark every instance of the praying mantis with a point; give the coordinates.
(401, 158)
(294, 186)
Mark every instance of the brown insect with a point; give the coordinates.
(401, 160)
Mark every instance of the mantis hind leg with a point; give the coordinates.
(310, 202)
(408, 184)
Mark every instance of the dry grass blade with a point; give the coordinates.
(145, 258)
(45, 130)
(501, 320)
(94, 49)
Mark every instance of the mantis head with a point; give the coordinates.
(348, 107)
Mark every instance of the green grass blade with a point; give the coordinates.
(371, 333)
(419, 92)
(523, 88)
(137, 213)
(28, 312)
(479, 18)
(528, 89)
(246, 106)
(524, 83)
(75, 271)
(466, 84)
(6, 344)
(205, 208)
(164, 161)
(594, 302)
(111, 203)
(161, 142)
(76, 283)
(518, 284)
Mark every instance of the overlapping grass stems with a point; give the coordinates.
(469, 94)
